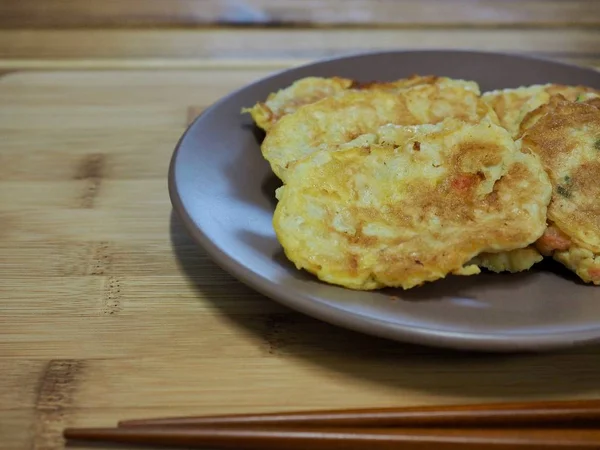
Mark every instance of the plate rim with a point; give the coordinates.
(463, 340)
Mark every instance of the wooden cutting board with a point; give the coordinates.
(109, 311)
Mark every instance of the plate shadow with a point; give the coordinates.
(284, 333)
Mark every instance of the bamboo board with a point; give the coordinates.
(109, 311)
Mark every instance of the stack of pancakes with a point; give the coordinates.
(404, 182)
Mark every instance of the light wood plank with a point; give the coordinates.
(81, 13)
(45, 259)
(70, 258)
(116, 331)
(11, 65)
(16, 429)
(324, 375)
(119, 116)
(233, 65)
(223, 44)
(299, 378)
(78, 224)
(65, 296)
(67, 258)
(122, 153)
(19, 384)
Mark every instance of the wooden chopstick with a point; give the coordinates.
(347, 439)
(532, 414)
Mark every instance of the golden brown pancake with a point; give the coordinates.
(311, 89)
(565, 135)
(512, 105)
(302, 92)
(341, 118)
(411, 204)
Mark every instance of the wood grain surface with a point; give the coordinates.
(108, 310)
(83, 13)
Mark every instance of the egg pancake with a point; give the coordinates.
(340, 118)
(411, 204)
(311, 89)
(566, 137)
(511, 105)
(302, 92)
(593, 100)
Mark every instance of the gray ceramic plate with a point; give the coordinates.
(223, 191)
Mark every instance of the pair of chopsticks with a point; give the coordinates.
(538, 425)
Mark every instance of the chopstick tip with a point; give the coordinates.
(70, 433)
